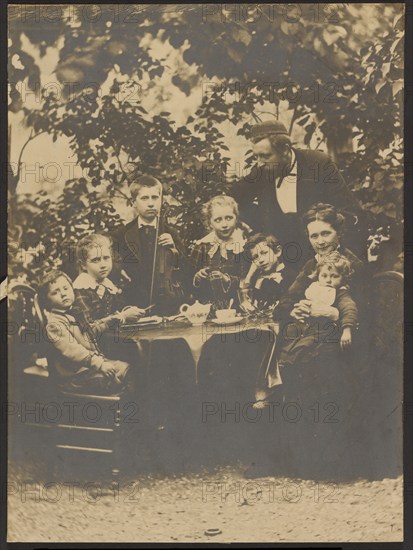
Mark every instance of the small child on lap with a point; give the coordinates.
(330, 295)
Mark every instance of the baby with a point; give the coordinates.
(330, 289)
(328, 298)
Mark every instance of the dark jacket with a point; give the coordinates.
(134, 253)
(347, 308)
(318, 180)
(269, 291)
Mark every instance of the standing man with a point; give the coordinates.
(283, 185)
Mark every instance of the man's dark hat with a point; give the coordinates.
(268, 128)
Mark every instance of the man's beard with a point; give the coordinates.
(271, 172)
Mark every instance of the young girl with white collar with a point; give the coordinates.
(218, 258)
(97, 296)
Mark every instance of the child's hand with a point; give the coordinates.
(251, 272)
(108, 369)
(345, 341)
(248, 306)
(219, 275)
(201, 274)
(166, 240)
(131, 314)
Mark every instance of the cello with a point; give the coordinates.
(165, 268)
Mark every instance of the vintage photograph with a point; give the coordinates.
(205, 273)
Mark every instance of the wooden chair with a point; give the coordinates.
(74, 424)
(23, 328)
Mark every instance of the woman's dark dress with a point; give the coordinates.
(322, 387)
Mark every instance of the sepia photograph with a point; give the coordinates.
(205, 283)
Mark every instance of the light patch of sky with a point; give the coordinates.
(46, 164)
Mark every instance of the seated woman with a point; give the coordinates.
(319, 386)
(325, 229)
(218, 258)
(313, 368)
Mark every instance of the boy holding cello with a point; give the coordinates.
(150, 255)
(151, 258)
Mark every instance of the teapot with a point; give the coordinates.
(197, 313)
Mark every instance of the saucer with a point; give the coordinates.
(230, 321)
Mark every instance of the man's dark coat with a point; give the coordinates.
(318, 180)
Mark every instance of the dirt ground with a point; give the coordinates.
(215, 505)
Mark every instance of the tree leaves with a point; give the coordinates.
(331, 87)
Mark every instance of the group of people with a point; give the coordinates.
(278, 243)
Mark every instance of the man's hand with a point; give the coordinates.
(166, 239)
(301, 310)
(345, 341)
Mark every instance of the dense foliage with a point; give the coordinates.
(335, 69)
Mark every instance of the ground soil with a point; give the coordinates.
(214, 505)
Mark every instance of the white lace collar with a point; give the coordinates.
(86, 281)
(236, 243)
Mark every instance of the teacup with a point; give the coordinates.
(225, 314)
